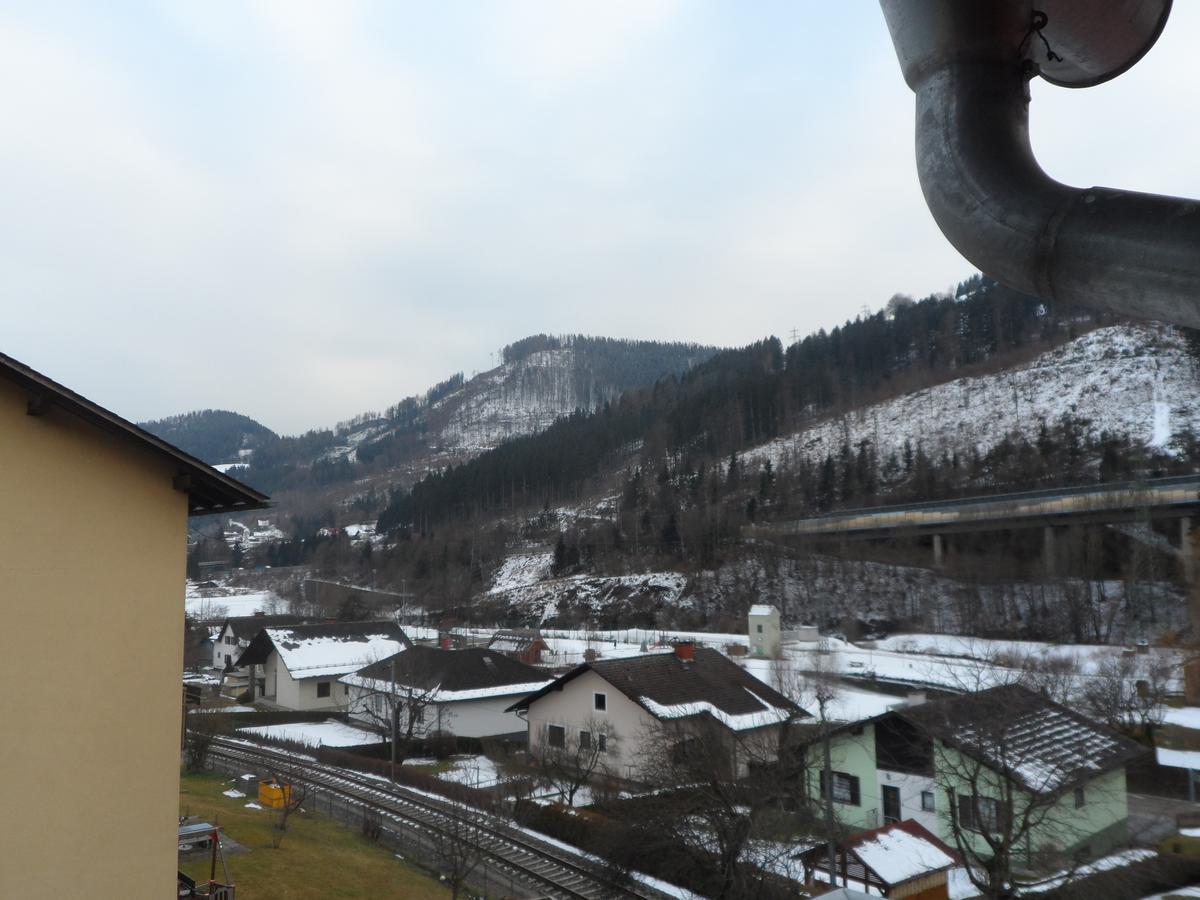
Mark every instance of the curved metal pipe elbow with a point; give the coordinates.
(1131, 253)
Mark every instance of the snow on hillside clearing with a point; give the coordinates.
(544, 600)
(521, 570)
(517, 398)
(330, 733)
(1136, 379)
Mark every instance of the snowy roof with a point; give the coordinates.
(246, 627)
(887, 857)
(328, 649)
(515, 640)
(763, 609)
(901, 851)
(452, 675)
(1177, 759)
(1016, 731)
(668, 687)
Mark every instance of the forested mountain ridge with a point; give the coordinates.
(637, 512)
(213, 435)
(739, 399)
(542, 378)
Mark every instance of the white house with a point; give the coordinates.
(462, 692)
(235, 633)
(620, 704)
(298, 666)
(764, 630)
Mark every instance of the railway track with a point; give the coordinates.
(544, 868)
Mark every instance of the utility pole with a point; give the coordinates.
(395, 720)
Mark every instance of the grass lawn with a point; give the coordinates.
(318, 858)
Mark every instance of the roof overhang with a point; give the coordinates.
(208, 490)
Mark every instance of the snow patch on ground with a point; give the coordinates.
(473, 771)
(330, 733)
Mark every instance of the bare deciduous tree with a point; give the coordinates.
(727, 802)
(575, 757)
(202, 729)
(398, 710)
(294, 795)
(1130, 691)
(457, 848)
(1014, 771)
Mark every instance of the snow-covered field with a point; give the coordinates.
(1136, 379)
(208, 608)
(330, 733)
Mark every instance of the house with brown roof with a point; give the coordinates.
(76, 480)
(997, 762)
(462, 692)
(523, 644)
(298, 666)
(657, 697)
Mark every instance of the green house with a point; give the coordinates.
(1001, 770)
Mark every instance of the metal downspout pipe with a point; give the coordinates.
(969, 64)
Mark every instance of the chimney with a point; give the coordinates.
(685, 651)
(258, 614)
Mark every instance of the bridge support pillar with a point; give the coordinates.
(1049, 550)
(939, 551)
(1187, 551)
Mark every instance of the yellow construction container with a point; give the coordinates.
(273, 795)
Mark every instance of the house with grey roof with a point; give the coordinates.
(665, 696)
(993, 763)
(298, 666)
(462, 692)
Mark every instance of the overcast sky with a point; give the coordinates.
(300, 211)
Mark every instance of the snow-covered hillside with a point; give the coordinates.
(583, 598)
(1136, 379)
(517, 398)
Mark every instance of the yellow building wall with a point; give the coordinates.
(92, 558)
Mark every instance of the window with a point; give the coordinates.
(927, 801)
(758, 628)
(556, 736)
(1080, 798)
(602, 742)
(600, 701)
(322, 688)
(585, 740)
(980, 814)
(845, 788)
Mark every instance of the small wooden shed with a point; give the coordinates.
(901, 860)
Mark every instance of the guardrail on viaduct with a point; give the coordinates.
(1176, 497)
